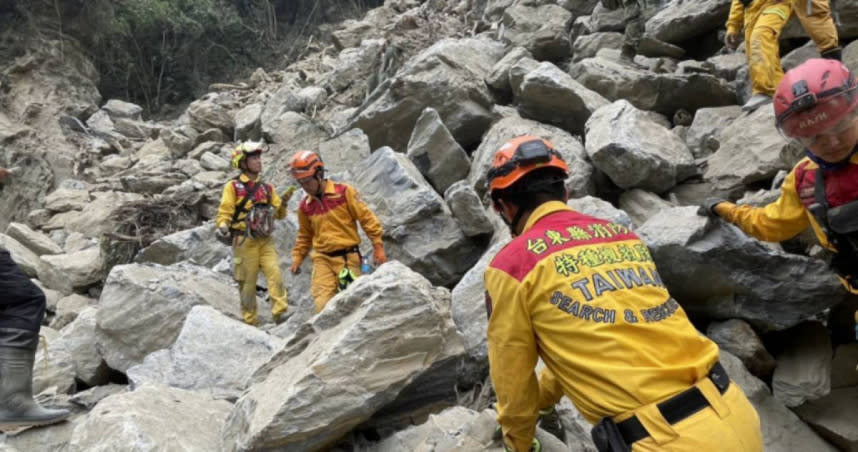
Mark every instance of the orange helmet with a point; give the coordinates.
(519, 156)
(243, 149)
(305, 164)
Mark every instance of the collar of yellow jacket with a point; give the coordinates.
(245, 179)
(543, 210)
(329, 188)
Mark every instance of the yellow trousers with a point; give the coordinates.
(325, 271)
(817, 22)
(762, 30)
(729, 423)
(249, 256)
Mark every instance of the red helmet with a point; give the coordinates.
(813, 97)
(305, 164)
(520, 156)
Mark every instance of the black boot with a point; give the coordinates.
(833, 54)
(549, 421)
(17, 407)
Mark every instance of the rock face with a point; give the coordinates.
(143, 307)
(136, 420)
(714, 269)
(634, 150)
(204, 357)
(804, 367)
(541, 29)
(447, 77)
(35, 241)
(832, 416)
(67, 272)
(419, 226)
(467, 209)
(681, 21)
(435, 153)
(737, 337)
(197, 245)
(367, 346)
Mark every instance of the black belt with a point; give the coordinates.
(342, 252)
(677, 407)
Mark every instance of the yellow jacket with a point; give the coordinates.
(329, 224)
(788, 215)
(235, 190)
(585, 296)
(740, 16)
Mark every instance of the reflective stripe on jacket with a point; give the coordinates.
(584, 295)
(328, 223)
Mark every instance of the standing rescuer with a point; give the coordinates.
(584, 295)
(22, 308)
(245, 219)
(327, 223)
(815, 104)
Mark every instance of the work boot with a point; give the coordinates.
(833, 54)
(549, 421)
(17, 407)
(756, 101)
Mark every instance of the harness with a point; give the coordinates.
(346, 276)
(840, 225)
(259, 221)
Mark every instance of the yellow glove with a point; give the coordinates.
(287, 194)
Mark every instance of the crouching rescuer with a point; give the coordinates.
(245, 220)
(584, 295)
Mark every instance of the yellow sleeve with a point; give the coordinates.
(736, 19)
(512, 358)
(304, 240)
(780, 220)
(227, 206)
(360, 211)
(550, 391)
(278, 204)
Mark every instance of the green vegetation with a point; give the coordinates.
(158, 52)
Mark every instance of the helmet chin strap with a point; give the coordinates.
(320, 179)
(827, 166)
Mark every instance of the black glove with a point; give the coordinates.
(707, 207)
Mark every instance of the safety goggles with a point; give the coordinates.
(831, 132)
(528, 153)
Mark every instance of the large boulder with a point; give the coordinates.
(804, 366)
(213, 354)
(72, 271)
(419, 228)
(833, 417)
(343, 152)
(143, 307)
(540, 28)
(635, 150)
(702, 136)
(549, 95)
(152, 417)
(435, 153)
(35, 241)
(94, 219)
(599, 208)
(738, 338)
(679, 22)
(581, 179)
(587, 46)
(197, 245)
(79, 339)
(640, 205)
(248, 122)
(498, 78)
(466, 207)
(448, 77)
(713, 269)
(663, 93)
(206, 114)
(27, 260)
(386, 332)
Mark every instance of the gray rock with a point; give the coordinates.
(213, 354)
(518, 71)
(593, 206)
(214, 162)
(197, 245)
(120, 109)
(586, 46)
(551, 96)
(581, 172)
(34, 241)
(248, 122)
(420, 230)
(467, 209)
(634, 150)
(799, 55)
(702, 136)
(498, 78)
(540, 28)
(344, 151)
(201, 149)
(357, 69)
(179, 140)
(748, 154)
(803, 372)
(206, 114)
(350, 361)
(53, 365)
(662, 93)
(783, 431)
(680, 21)
(654, 48)
(448, 77)
(72, 271)
(142, 419)
(640, 205)
(136, 130)
(727, 66)
(435, 153)
(715, 270)
(27, 260)
(844, 366)
(101, 124)
(738, 338)
(68, 308)
(833, 417)
(293, 129)
(63, 200)
(352, 33)
(79, 339)
(143, 307)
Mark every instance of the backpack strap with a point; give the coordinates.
(239, 207)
